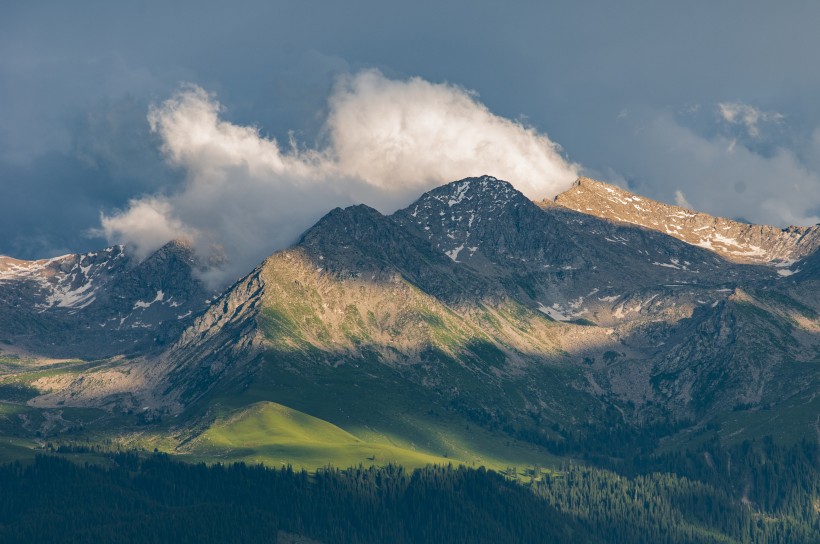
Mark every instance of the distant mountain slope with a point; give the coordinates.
(555, 258)
(98, 304)
(737, 242)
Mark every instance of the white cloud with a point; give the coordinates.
(418, 133)
(148, 223)
(386, 142)
(680, 200)
(750, 117)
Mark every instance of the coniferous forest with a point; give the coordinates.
(753, 492)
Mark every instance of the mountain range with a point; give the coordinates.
(474, 326)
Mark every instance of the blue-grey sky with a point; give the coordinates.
(708, 104)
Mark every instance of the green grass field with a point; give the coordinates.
(270, 433)
(273, 434)
(787, 424)
(16, 449)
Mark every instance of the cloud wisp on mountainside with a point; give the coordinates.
(384, 141)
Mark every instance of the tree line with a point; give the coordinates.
(755, 492)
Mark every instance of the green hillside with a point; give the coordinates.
(276, 435)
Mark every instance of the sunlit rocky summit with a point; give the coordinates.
(734, 241)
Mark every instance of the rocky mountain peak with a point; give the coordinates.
(340, 229)
(735, 241)
(483, 194)
(463, 215)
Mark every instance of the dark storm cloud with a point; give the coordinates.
(691, 101)
(53, 194)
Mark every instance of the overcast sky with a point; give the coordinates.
(240, 124)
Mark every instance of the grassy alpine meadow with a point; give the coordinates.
(276, 435)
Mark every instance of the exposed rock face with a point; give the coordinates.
(564, 263)
(221, 341)
(98, 304)
(734, 241)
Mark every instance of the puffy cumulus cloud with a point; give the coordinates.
(386, 141)
(243, 195)
(416, 133)
(747, 116)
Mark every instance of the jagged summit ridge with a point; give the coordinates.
(487, 190)
(734, 241)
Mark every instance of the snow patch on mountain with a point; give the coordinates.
(158, 298)
(453, 253)
(554, 312)
(67, 281)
